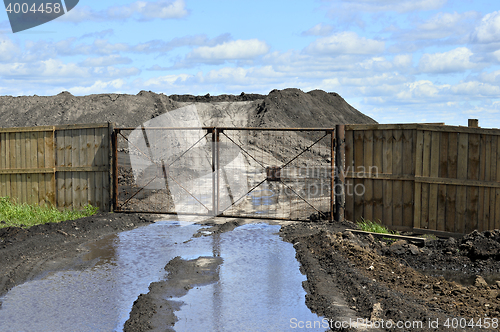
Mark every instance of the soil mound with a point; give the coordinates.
(281, 108)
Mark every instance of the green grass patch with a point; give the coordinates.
(371, 226)
(26, 215)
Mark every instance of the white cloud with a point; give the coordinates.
(98, 87)
(105, 61)
(402, 61)
(488, 30)
(168, 80)
(232, 50)
(418, 91)
(345, 43)
(8, 50)
(319, 30)
(457, 60)
(400, 6)
(443, 25)
(148, 10)
(140, 10)
(476, 88)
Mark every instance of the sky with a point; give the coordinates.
(398, 61)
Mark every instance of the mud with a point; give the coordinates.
(348, 276)
(155, 311)
(380, 279)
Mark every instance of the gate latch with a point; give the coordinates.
(273, 173)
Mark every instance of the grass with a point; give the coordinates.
(26, 215)
(371, 226)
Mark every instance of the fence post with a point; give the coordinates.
(339, 185)
(332, 176)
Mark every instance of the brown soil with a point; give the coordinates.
(379, 280)
(281, 108)
(348, 276)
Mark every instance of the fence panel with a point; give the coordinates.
(56, 165)
(432, 177)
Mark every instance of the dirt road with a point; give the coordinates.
(348, 276)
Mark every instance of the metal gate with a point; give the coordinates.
(264, 173)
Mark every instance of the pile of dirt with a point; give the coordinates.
(381, 280)
(281, 108)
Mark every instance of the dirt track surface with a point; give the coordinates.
(348, 276)
(379, 281)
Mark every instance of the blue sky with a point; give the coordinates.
(395, 60)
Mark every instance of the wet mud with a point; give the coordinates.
(382, 280)
(155, 311)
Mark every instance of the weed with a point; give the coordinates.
(26, 215)
(371, 226)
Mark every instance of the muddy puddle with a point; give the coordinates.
(260, 286)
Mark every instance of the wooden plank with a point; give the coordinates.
(387, 168)
(106, 191)
(425, 127)
(408, 186)
(497, 191)
(451, 191)
(50, 153)
(26, 129)
(358, 183)
(18, 182)
(90, 157)
(82, 126)
(106, 137)
(24, 177)
(68, 142)
(484, 156)
(51, 195)
(3, 157)
(99, 191)
(419, 149)
(426, 169)
(493, 177)
(84, 161)
(443, 173)
(3, 185)
(41, 149)
(68, 185)
(35, 180)
(12, 150)
(26, 170)
(473, 170)
(18, 154)
(459, 129)
(23, 155)
(390, 236)
(75, 157)
(397, 186)
(461, 200)
(107, 178)
(368, 183)
(434, 172)
(59, 161)
(360, 127)
(349, 165)
(378, 185)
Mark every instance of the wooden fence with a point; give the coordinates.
(67, 166)
(423, 177)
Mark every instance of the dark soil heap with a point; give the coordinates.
(281, 108)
